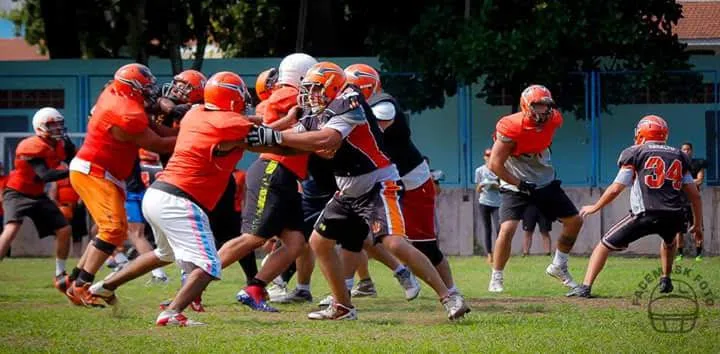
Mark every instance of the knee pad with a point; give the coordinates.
(431, 250)
(104, 246)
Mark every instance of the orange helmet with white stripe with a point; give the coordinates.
(186, 87)
(536, 102)
(226, 91)
(651, 128)
(321, 84)
(134, 80)
(365, 77)
(265, 82)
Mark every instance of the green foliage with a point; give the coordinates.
(510, 44)
(28, 17)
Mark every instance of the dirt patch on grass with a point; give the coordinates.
(524, 303)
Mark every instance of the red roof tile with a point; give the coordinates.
(18, 49)
(701, 20)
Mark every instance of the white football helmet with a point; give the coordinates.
(49, 123)
(293, 67)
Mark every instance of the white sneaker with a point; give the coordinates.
(455, 306)
(327, 301)
(106, 295)
(561, 273)
(496, 283)
(277, 291)
(171, 318)
(334, 312)
(409, 283)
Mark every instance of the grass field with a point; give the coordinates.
(531, 316)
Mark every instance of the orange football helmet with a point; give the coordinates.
(226, 91)
(651, 128)
(186, 87)
(321, 84)
(364, 77)
(536, 101)
(265, 83)
(148, 156)
(134, 80)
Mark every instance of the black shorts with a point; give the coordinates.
(688, 217)
(348, 220)
(225, 221)
(46, 216)
(79, 223)
(533, 217)
(311, 208)
(633, 227)
(550, 200)
(272, 201)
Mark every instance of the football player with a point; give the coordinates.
(368, 196)
(119, 125)
(37, 161)
(658, 175)
(697, 171)
(520, 157)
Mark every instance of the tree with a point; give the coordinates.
(509, 44)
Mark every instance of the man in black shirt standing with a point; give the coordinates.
(697, 171)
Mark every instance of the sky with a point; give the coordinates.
(7, 29)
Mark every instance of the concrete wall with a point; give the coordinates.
(458, 222)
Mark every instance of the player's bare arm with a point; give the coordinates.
(612, 192)
(501, 150)
(162, 130)
(147, 140)
(288, 121)
(322, 139)
(700, 177)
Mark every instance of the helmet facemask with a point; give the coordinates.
(312, 96)
(178, 91)
(541, 110)
(53, 128)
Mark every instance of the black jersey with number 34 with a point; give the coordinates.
(660, 172)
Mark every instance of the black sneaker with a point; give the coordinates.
(666, 285)
(295, 296)
(580, 291)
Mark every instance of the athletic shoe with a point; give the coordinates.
(698, 258)
(678, 258)
(364, 288)
(561, 273)
(277, 291)
(334, 312)
(255, 298)
(81, 296)
(196, 305)
(167, 318)
(98, 291)
(327, 301)
(581, 290)
(455, 306)
(296, 295)
(666, 285)
(496, 283)
(158, 280)
(409, 283)
(62, 282)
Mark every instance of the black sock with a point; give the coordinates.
(698, 251)
(289, 272)
(74, 274)
(249, 266)
(84, 277)
(256, 282)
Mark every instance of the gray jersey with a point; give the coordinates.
(490, 194)
(533, 168)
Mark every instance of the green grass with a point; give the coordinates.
(532, 316)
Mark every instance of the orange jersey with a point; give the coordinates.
(65, 192)
(528, 139)
(23, 178)
(100, 147)
(277, 106)
(193, 167)
(239, 176)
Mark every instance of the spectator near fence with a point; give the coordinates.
(697, 171)
(488, 189)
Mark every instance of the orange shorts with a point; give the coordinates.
(106, 203)
(418, 208)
